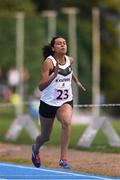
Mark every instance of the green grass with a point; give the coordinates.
(100, 142)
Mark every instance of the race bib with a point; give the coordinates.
(61, 94)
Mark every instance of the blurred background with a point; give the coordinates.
(92, 31)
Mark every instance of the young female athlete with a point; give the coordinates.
(56, 98)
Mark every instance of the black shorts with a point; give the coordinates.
(49, 111)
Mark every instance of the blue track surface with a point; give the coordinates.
(12, 172)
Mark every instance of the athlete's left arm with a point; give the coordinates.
(74, 77)
(76, 80)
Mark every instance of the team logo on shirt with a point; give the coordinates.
(63, 80)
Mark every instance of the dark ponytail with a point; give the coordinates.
(47, 51)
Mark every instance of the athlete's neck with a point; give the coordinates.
(60, 58)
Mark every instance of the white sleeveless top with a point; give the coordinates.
(59, 90)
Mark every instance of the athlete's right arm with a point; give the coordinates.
(45, 78)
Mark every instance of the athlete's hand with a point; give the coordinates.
(81, 86)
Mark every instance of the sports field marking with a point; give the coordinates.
(49, 173)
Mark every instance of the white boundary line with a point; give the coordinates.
(96, 105)
(55, 171)
(2, 105)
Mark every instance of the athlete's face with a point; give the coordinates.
(60, 46)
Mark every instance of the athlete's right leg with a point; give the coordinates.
(46, 128)
(47, 115)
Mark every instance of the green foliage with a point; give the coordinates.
(7, 42)
(84, 57)
(35, 30)
(110, 61)
(35, 38)
(12, 6)
(85, 6)
(36, 34)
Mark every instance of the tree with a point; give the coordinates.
(45, 5)
(110, 15)
(11, 6)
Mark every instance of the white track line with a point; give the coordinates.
(55, 171)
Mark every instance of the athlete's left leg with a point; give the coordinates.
(64, 115)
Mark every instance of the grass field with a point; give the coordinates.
(99, 144)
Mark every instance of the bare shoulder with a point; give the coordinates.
(47, 63)
(71, 60)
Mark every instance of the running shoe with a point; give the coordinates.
(64, 164)
(35, 158)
